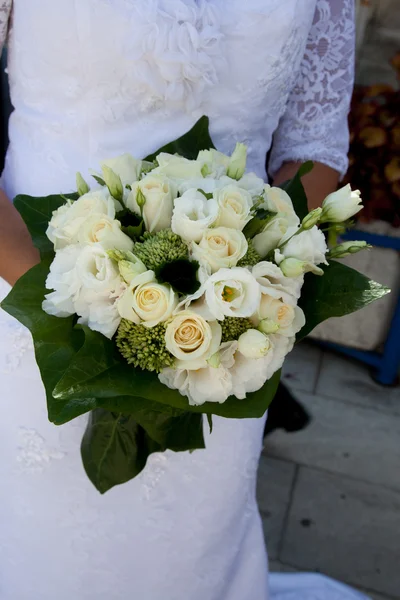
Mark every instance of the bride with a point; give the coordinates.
(91, 79)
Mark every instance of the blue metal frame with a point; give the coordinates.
(386, 365)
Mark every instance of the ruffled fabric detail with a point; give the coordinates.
(178, 52)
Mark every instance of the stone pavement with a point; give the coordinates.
(330, 494)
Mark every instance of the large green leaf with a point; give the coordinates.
(120, 387)
(295, 189)
(114, 449)
(56, 340)
(340, 291)
(37, 212)
(190, 144)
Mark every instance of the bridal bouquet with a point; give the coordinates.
(176, 288)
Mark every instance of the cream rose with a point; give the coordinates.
(232, 293)
(153, 196)
(66, 222)
(234, 206)
(193, 214)
(220, 247)
(105, 231)
(192, 340)
(146, 301)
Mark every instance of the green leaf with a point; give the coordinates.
(295, 189)
(134, 231)
(37, 212)
(210, 422)
(56, 341)
(189, 144)
(114, 449)
(258, 222)
(340, 291)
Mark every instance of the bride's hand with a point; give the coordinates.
(17, 252)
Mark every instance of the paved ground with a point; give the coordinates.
(330, 495)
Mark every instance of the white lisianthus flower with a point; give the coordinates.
(97, 271)
(273, 282)
(178, 167)
(125, 166)
(232, 293)
(252, 183)
(288, 317)
(86, 282)
(308, 246)
(66, 222)
(65, 282)
(220, 247)
(234, 207)
(105, 231)
(192, 215)
(209, 384)
(147, 302)
(153, 196)
(249, 375)
(99, 311)
(192, 340)
(341, 205)
(214, 163)
(254, 344)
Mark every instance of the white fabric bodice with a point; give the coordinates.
(94, 78)
(91, 79)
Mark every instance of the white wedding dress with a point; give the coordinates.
(91, 79)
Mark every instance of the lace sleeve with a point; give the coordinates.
(5, 10)
(314, 125)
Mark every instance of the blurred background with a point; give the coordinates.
(330, 494)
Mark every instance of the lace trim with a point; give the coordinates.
(5, 10)
(314, 125)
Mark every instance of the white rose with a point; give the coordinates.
(178, 167)
(209, 384)
(125, 166)
(158, 193)
(192, 340)
(65, 282)
(273, 282)
(289, 318)
(253, 344)
(146, 301)
(232, 293)
(308, 246)
(341, 205)
(66, 222)
(105, 231)
(220, 247)
(234, 206)
(192, 215)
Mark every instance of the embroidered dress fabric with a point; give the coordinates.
(91, 79)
